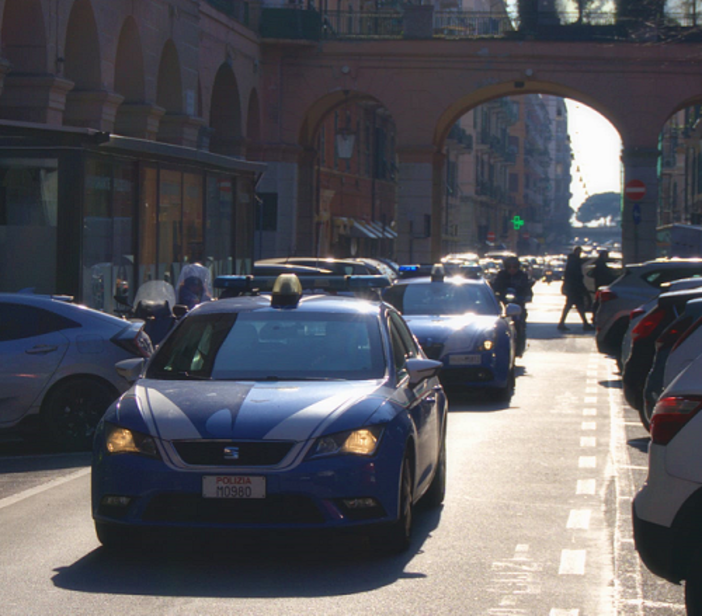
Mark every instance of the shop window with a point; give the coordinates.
(28, 217)
(170, 216)
(219, 226)
(148, 218)
(192, 218)
(267, 219)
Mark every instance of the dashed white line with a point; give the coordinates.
(589, 425)
(588, 441)
(587, 462)
(590, 412)
(572, 562)
(586, 486)
(590, 399)
(579, 519)
(559, 612)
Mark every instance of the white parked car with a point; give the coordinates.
(57, 366)
(668, 508)
(637, 284)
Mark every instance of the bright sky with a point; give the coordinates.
(596, 148)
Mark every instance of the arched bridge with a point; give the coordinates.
(428, 84)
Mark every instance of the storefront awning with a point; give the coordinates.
(354, 227)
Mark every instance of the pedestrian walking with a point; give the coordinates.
(574, 289)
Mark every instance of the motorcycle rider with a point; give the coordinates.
(513, 280)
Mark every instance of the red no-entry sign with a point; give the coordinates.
(635, 190)
(490, 236)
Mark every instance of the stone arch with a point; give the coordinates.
(129, 63)
(169, 88)
(461, 106)
(23, 36)
(325, 105)
(225, 114)
(82, 48)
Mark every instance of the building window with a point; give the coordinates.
(267, 219)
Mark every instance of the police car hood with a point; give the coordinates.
(252, 410)
(439, 329)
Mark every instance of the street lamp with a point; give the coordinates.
(345, 140)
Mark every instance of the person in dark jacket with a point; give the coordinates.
(513, 277)
(602, 273)
(574, 289)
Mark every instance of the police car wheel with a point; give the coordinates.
(397, 537)
(434, 496)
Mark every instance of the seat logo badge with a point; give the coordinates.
(231, 453)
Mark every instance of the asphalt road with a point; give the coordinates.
(536, 521)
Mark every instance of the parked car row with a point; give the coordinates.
(650, 320)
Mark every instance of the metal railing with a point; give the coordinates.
(461, 24)
(362, 24)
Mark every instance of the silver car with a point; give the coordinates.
(57, 366)
(637, 284)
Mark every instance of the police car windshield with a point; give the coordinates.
(442, 298)
(271, 346)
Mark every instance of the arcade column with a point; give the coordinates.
(420, 205)
(640, 203)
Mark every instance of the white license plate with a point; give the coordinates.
(233, 486)
(465, 360)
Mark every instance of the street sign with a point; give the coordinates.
(636, 213)
(490, 236)
(635, 190)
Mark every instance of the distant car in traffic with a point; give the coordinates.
(57, 361)
(461, 323)
(275, 411)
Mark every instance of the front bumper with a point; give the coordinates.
(310, 495)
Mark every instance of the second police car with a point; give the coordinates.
(461, 323)
(275, 411)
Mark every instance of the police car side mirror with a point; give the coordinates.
(421, 369)
(130, 369)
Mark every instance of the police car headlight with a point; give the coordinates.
(486, 345)
(122, 440)
(361, 442)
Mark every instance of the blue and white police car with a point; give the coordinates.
(275, 411)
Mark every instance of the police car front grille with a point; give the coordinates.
(232, 453)
(193, 509)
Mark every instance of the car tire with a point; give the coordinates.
(504, 394)
(396, 538)
(693, 586)
(434, 496)
(72, 410)
(645, 416)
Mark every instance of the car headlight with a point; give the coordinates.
(122, 440)
(361, 442)
(486, 345)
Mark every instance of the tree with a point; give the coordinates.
(641, 10)
(603, 206)
(528, 14)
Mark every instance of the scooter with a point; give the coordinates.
(510, 296)
(155, 304)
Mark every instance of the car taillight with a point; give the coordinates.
(671, 333)
(636, 313)
(138, 344)
(604, 294)
(670, 416)
(648, 323)
(687, 333)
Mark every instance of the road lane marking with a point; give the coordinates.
(590, 399)
(16, 498)
(591, 390)
(572, 562)
(589, 425)
(587, 462)
(589, 412)
(588, 441)
(559, 612)
(579, 519)
(586, 486)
